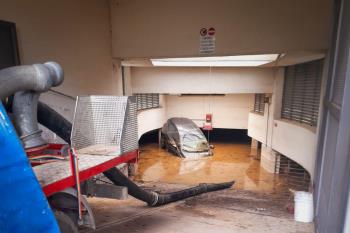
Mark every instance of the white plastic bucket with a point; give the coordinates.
(304, 207)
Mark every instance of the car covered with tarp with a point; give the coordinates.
(184, 138)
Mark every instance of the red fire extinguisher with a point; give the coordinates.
(208, 118)
(208, 123)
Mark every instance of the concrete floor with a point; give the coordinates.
(257, 203)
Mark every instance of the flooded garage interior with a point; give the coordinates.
(259, 201)
(255, 93)
(232, 160)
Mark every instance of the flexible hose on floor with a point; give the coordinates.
(58, 124)
(157, 199)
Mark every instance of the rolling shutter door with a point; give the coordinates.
(301, 94)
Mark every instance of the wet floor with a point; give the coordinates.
(229, 162)
(254, 204)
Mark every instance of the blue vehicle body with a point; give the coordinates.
(23, 205)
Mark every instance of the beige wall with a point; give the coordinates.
(151, 119)
(229, 111)
(201, 80)
(257, 125)
(294, 140)
(168, 28)
(75, 33)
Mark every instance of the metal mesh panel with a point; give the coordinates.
(130, 136)
(100, 120)
(146, 101)
(259, 103)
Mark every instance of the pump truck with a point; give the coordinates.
(44, 186)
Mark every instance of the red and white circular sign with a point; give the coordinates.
(211, 31)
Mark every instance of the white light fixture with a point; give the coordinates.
(225, 61)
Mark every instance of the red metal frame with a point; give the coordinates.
(48, 149)
(55, 149)
(130, 157)
(37, 150)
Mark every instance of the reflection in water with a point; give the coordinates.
(229, 162)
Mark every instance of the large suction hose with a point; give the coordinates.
(157, 199)
(24, 107)
(28, 82)
(58, 124)
(37, 77)
(54, 121)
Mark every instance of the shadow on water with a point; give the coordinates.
(216, 135)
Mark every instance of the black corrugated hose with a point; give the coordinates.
(54, 121)
(157, 199)
(58, 124)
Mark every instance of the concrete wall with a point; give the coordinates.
(297, 142)
(257, 126)
(294, 140)
(74, 33)
(151, 119)
(201, 80)
(229, 111)
(167, 28)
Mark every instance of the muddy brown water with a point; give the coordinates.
(229, 162)
(256, 196)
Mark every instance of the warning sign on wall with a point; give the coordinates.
(207, 41)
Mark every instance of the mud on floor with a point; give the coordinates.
(221, 211)
(256, 203)
(269, 204)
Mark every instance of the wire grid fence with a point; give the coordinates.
(106, 121)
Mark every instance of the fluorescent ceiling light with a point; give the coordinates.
(226, 61)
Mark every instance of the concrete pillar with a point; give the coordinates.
(254, 149)
(269, 159)
(127, 81)
(117, 74)
(273, 109)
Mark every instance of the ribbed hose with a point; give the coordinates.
(58, 124)
(157, 199)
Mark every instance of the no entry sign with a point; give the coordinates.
(207, 41)
(211, 31)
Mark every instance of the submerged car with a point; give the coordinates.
(183, 137)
